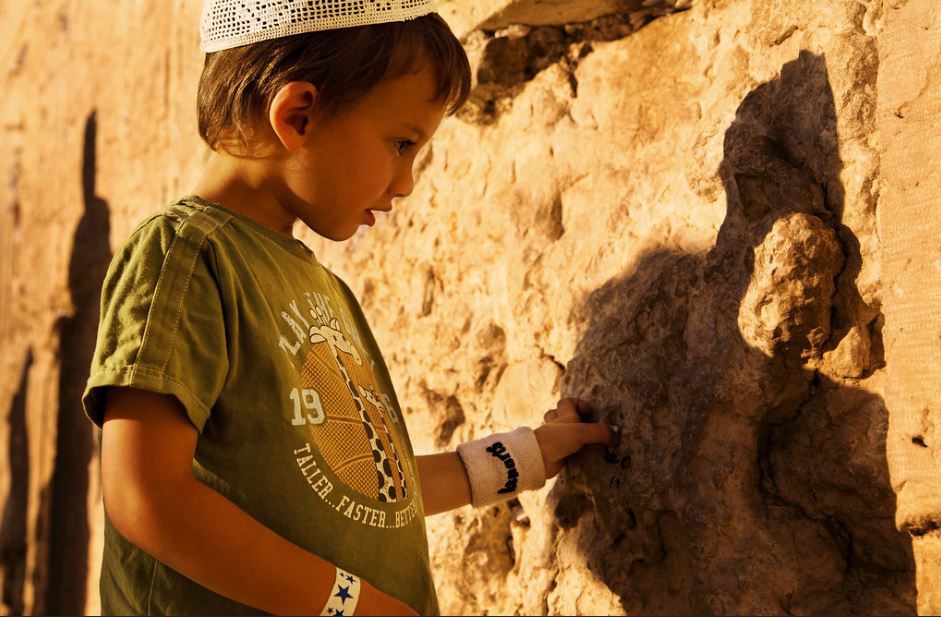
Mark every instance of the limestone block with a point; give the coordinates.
(909, 105)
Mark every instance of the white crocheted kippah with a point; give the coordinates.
(231, 23)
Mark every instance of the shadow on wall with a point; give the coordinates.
(747, 480)
(13, 525)
(75, 442)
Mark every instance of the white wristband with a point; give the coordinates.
(345, 595)
(502, 465)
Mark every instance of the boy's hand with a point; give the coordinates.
(564, 433)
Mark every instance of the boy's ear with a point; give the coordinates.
(292, 112)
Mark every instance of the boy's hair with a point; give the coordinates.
(237, 85)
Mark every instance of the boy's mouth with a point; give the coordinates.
(371, 216)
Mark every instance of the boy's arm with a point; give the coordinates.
(154, 500)
(566, 430)
(444, 483)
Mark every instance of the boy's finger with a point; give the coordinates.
(606, 434)
(567, 411)
(584, 411)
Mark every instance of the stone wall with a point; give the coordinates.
(666, 208)
(910, 114)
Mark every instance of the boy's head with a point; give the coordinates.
(333, 118)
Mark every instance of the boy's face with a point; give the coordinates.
(362, 158)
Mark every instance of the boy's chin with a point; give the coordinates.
(337, 233)
(340, 235)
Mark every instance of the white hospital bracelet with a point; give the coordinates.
(345, 595)
(502, 465)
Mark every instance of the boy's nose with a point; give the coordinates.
(403, 186)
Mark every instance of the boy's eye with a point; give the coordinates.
(403, 144)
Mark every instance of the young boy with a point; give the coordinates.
(254, 455)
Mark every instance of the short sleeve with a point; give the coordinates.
(162, 323)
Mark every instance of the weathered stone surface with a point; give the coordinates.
(522, 387)
(693, 239)
(676, 222)
(465, 17)
(786, 309)
(909, 116)
(100, 101)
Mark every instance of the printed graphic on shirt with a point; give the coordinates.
(350, 421)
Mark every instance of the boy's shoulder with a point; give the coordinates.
(181, 220)
(183, 217)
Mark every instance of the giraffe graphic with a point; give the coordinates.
(385, 412)
(325, 330)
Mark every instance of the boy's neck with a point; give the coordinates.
(240, 186)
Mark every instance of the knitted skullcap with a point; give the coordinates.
(232, 23)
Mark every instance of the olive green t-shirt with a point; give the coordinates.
(271, 356)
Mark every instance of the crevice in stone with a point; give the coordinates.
(877, 344)
(767, 436)
(492, 342)
(505, 60)
(924, 528)
(570, 509)
(545, 600)
(553, 359)
(429, 295)
(511, 552)
(19, 62)
(449, 409)
(454, 417)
